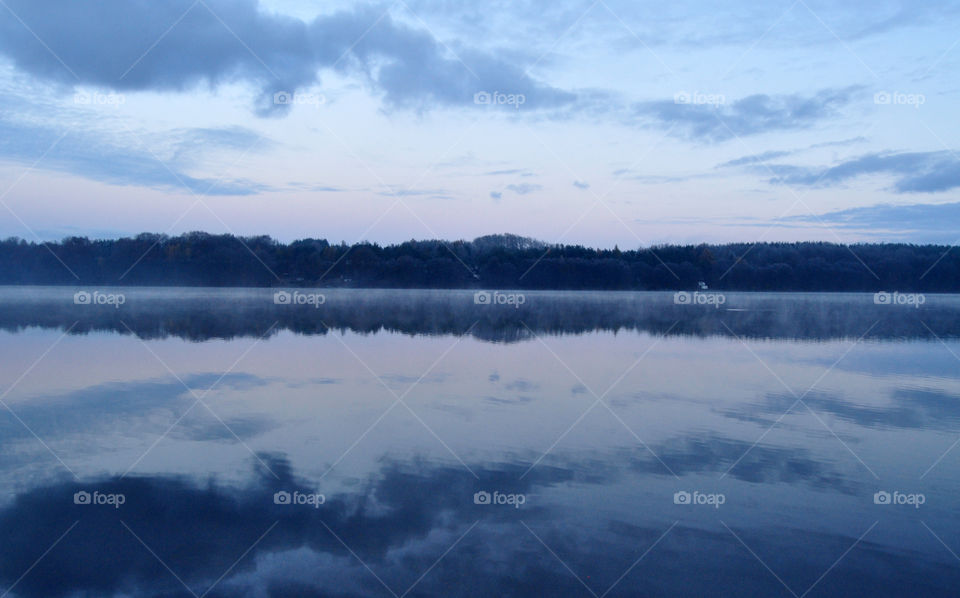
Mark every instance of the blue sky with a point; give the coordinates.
(599, 122)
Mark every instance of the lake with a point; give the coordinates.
(262, 442)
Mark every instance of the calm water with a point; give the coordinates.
(416, 443)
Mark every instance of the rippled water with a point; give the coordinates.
(423, 444)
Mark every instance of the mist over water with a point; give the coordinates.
(445, 443)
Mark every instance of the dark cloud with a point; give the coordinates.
(915, 172)
(111, 43)
(581, 184)
(752, 115)
(179, 44)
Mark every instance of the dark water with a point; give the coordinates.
(552, 448)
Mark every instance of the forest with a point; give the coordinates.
(494, 261)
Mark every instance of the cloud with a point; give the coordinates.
(839, 143)
(178, 45)
(193, 143)
(927, 222)
(915, 172)
(906, 15)
(752, 115)
(504, 172)
(314, 188)
(764, 157)
(112, 161)
(524, 188)
(760, 158)
(86, 45)
(496, 195)
(398, 191)
(581, 184)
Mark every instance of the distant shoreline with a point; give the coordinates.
(492, 262)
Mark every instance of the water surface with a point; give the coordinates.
(596, 419)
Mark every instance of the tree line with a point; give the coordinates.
(495, 261)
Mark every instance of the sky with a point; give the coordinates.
(602, 122)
